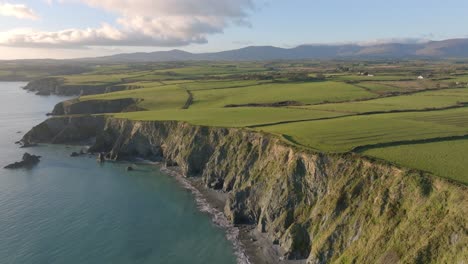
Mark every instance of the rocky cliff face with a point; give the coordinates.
(77, 107)
(63, 130)
(57, 86)
(320, 207)
(45, 86)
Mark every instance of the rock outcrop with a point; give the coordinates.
(27, 162)
(320, 207)
(61, 130)
(78, 107)
(46, 86)
(57, 86)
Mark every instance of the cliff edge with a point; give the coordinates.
(58, 86)
(321, 207)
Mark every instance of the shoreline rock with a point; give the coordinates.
(101, 158)
(28, 161)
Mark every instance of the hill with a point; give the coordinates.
(452, 48)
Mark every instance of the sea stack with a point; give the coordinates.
(28, 161)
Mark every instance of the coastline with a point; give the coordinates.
(212, 203)
(250, 245)
(58, 176)
(338, 188)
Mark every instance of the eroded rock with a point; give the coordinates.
(28, 161)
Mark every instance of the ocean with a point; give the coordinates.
(74, 210)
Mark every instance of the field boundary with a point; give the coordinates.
(189, 101)
(363, 148)
(461, 105)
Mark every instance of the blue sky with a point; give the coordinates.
(34, 28)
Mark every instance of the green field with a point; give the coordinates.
(307, 93)
(223, 84)
(207, 70)
(154, 98)
(312, 104)
(346, 133)
(389, 87)
(446, 159)
(419, 101)
(374, 78)
(459, 78)
(230, 117)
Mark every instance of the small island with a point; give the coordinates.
(28, 161)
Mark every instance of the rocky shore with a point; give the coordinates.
(305, 206)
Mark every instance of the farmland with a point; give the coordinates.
(305, 93)
(356, 131)
(238, 117)
(390, 113)
(419, 101)
(444, 158)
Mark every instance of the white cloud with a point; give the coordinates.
(143, 23)
(17, 10)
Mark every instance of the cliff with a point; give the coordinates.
(57, 86)
(320, 207)
(77, 107)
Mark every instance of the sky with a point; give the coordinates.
(88, 28)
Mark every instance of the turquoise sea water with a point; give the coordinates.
(73, 210)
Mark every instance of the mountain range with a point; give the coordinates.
(452, 48)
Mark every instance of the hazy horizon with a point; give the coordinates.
(89, 28)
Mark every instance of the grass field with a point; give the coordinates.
(307, 93)
(387, 87)
(211, 70)
(374, 78)
(207, 85)
(419, 101)
(340, 111)
(459, 78)
(446, 159)
(229, 117)
(347, 133)
(154, 98)
(95, 79)
(378, 87)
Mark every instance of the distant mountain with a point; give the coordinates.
(452, 48)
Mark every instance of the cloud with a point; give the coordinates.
(17, 10)
(143, 23)
(394, 40)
